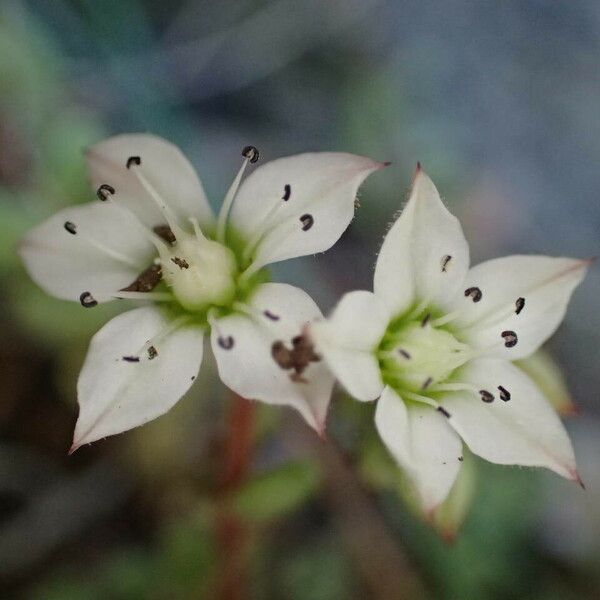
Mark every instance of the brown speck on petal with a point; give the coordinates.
(164, 232)
(445, 260)
(298, 358)
(510, 338)
(70, 227)
(180, 262)
(251, 153)
(152, 352)
(474, 293)
(133, 160)
(307, 221)
(146, 281)
(519, 305)
(486, 396)
(226, 343)
(104, 191)
(504, 394)
(87, 300)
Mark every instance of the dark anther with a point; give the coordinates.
(519, 305)
(270, 315)
(287, 192)
(104, 191)
(442, 410)
(474, 293)
(298, 358)
(307, 222)
(510, 338)
(427, 383)
(425, 320)
(404, 353)
(164, 232)
(146, 281)
(70, 227)
(225, 342)
(504, 394)
(445, 260)
(461, 458)
(251, 153)
(152, 352)
(486, 396)
(87, 300)
(133, 160)
(180, 262)
(131, 358)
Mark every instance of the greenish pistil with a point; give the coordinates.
(415, 355)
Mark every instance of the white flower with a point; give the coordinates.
(152, 237)
(435, 343)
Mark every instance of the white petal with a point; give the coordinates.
(163, 165)
(423, 443)
(348, 340)
(106, 253)
(524, 430)
(116, 395)
(249, 368)
(544, 283)
(322, 186)
(413, 264)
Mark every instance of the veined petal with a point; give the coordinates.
(348, 340)
(424, 256)
(163, 165)
(527, 295)
(298, 205)
(519, 427)
(243, 346)
(116, 392)
(423, 443)
(92, 248)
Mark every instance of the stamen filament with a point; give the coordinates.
(454, 387)
(154, 341)
(257, 316)
(154, 239)
(162, 205)
(448, 318)
(108, 251)
(228, 201)
(419, 398)
(260, 232)
(155, 296)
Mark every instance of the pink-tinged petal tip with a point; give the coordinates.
(577, 479)
(569, 409)
(74, 447)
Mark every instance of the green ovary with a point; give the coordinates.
(414, 357)
(201, 273)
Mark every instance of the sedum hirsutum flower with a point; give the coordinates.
(152, 237)
(435, 343)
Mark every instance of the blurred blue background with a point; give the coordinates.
(499, 101)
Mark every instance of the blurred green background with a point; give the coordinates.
(498, 100)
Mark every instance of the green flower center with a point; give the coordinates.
(415, 354)
(200, 273)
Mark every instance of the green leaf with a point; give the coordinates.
(276, 493)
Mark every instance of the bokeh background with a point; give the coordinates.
(498, 100)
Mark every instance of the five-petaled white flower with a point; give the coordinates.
(152, 237)
(435, 343)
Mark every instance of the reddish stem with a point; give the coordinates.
(232, 536)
